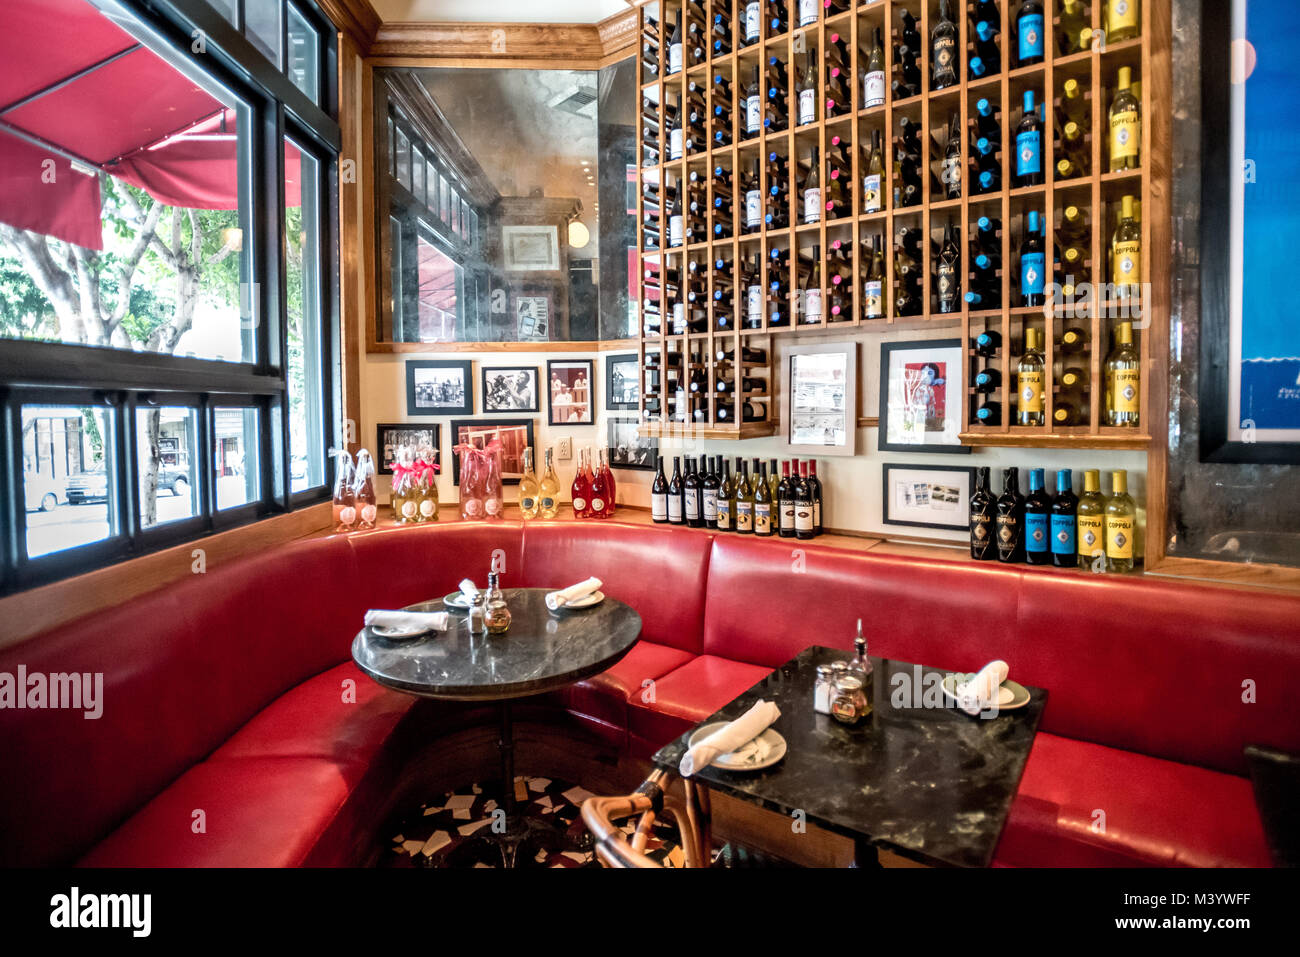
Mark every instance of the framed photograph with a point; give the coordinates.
(1248, 379)
(391, 436)
(532, 313)
(922, 394)
(439, 387)
(515, 435)
(531, 248)
(628, 448)
(622, 382)
(820, 384)
(510, 389)
(928, 496)
(570, 384)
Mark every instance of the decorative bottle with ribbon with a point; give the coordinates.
(363, 490)
(480, 481)
(426, 483)
(345, 512)
(404, 500)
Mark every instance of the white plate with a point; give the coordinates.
(730, 762)
(394, 634)
(456, 600)
(595, 598)
(1010, 696)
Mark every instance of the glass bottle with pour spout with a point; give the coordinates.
(496, 613)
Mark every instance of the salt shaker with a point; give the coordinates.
(823, 690)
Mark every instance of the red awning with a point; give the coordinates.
(76, 85)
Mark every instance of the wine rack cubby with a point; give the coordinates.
(696, 279)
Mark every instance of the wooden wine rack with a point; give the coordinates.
(1098, 193)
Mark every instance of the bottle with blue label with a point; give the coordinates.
(1064, 519)
(1037, 531)
(1032, 263)
(1029, 145)
(1029, 33)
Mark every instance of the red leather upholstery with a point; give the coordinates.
(225, 692)
(1085, 805)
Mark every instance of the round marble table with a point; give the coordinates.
(542, 651)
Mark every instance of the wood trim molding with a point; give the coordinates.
(355, 18)
(580, 45)
(37, 610)
(618, 35)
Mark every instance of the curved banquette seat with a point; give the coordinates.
(235, 729)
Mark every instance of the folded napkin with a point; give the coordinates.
(468, 589)
(736, 736)
(407, 620)
(981, 691)
(566, 596)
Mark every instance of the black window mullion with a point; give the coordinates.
(13, 502)
(206, 458)
(123, 502)
(127, 442)
(275, 427)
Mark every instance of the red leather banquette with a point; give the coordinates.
(236, 731)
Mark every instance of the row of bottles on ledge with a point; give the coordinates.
(1088, 531)
(1121, 403)
(762, 502)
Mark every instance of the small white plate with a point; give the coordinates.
(731, 762)
(456, 600)
(595, 598)
(1010, 696)
(395, 634)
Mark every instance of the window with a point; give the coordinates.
(166, 325)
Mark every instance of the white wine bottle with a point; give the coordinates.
(1090, 520)
(1126, 251)
(1029, 382)
(548, 491)
(529, 489)
(1125, 125)
(1123, 380)
(1121, 523)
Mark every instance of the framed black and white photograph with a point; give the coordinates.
(820, 386)
(515, 435)
(439, 387)
(628, 448)
(530, 248)
(391, 436)
(927, 496)
(569, 382)
(510, 389)
(922, 393)
(622, 382)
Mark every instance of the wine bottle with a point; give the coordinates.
(1121, 522)
(675, 221)
(873, 287)
(873, 78)
(1011, 518)
(943, 49)
(1090, 521)
(675, 494)
(600, 492)
(753, 22)
(744, 499)
(1063, 521)
(692, 509)
(1029, 145)
(1032, 263)
(872, 191)
(808, 12)
(988, 380)
(1126, 252)
(987, 59)
(812, 192)
(529, 500)
(948, 271)
(803, 504)
(726, 507)
(548, 490)
(811, 294)
(806, 92)
(1123, 20)
(709, 494)
(950, 175)
(753, 200)
(815, 490)
(1029, 381)
(763, 526)
(988, 343)
(1029, 33)
(1074, 33)
(785, 503)
(753, 105)
(982, 518)
(675, 47)
(1125, 123)
(989, 413)
(580, 490)
(1037, 527)
(1123, 380)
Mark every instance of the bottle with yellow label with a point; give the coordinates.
(1123, 20)
(1126, 252)
(1123, 380)
(1090, 521)
(1125, 125)
(1029, 381)
(1121, 524)
(530, 497)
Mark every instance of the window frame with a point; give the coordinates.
(34, 372)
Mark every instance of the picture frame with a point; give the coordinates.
(819, 385)
(922, 396)
(627, 449)
(515, 435)
(390, 436)
(439, 387)
(509, 389)
(622, 381)
(530, 248)
(1248, 364)
(533, 313)
(927, 496)
(570, 387)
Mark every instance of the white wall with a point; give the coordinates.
(852, 485)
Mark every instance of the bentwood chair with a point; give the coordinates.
(650, 800)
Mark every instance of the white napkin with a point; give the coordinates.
(981, 692)
(735, 736)
(407, 620)
(565, 596)
(468, 589)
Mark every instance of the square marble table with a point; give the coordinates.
(929, 783)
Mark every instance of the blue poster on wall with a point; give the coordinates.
(1264, 354)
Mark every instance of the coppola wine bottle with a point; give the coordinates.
(1011, 518)
(982, 522)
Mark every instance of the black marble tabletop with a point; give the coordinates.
(542, 651)
(930, 783)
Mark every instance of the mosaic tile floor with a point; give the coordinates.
(440, 832)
